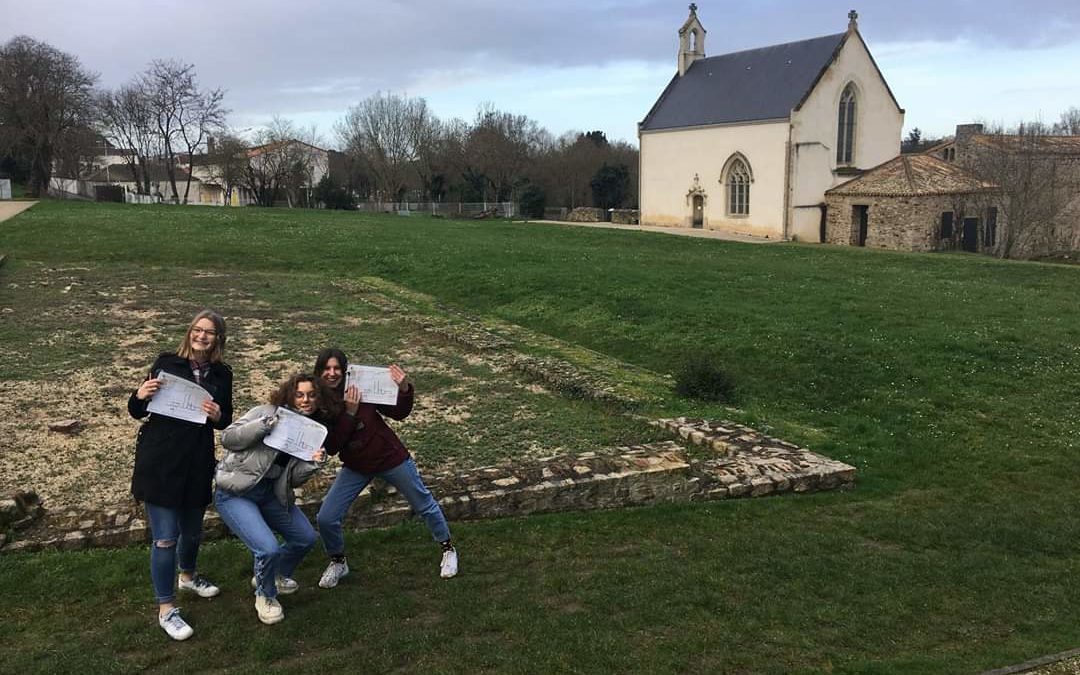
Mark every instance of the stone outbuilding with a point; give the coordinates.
(914, 203)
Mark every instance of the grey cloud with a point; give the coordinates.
(276, 56)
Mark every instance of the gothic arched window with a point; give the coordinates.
(845, 132)
(738, 188)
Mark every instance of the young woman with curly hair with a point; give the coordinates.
(255, 488)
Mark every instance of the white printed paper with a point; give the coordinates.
(296, 435)
(179, 398)
(374, 383)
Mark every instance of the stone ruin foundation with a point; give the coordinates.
(739, 462)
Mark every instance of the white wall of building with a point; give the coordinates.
(669, 160)
(878, 128)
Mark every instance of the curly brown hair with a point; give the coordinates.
(285, 395)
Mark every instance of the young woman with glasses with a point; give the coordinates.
(174, 465)
(255, 484)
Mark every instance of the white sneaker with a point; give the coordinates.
(285, 585)
(448, 566)
(335, 571)
(202, 586)
(268, 609)
(173, 624)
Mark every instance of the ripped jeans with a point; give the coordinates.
(255, 516)
(176, 534)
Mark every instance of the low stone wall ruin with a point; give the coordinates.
(741, 463)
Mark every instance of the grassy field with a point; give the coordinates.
(948, 380)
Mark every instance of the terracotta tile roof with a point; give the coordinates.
(270, 147)
(1051, 145)
(913, 175)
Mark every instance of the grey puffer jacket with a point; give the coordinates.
(247, 459)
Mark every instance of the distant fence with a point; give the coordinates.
(69, 188)
(448, 209)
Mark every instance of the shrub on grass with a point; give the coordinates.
(704, 377)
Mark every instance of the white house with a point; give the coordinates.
(749, 141)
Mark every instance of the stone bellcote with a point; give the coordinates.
(691, 41)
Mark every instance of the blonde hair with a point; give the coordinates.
(217, 352)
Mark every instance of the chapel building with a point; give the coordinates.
(748, 142)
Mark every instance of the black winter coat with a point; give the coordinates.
(174, 459)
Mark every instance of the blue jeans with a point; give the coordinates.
(176, 534)
(350, 483)
(254, 517)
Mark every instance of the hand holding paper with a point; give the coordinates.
(296, 435)
(179, 398)
(376, 385)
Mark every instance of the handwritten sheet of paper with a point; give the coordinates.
(375, 384)
(296, 435)
(179, 398)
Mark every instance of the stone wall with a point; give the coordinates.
(903, 223)
(740, 462)
(587, 214)
(625, 216)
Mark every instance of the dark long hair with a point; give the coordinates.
(329, 404)
(324, 357)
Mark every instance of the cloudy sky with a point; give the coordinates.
(568, 64)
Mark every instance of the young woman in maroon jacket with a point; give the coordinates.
(374, 451)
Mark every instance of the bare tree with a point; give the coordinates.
(382, 131)
(501, 147)
(227, 164)
(183, 114)
(1038, 178)
(200, 115)
(281, 164)
(45, 95)
(1069, 124)
(127, 121)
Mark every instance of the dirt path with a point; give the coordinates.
(680, 231)
(12, 209)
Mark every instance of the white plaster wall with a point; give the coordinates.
(878, 124)
(814, 130)
(669, 160)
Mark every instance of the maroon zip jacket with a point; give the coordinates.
(373, 447)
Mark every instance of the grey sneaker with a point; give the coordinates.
(199, 585)
(448, 566)
(285, 585)
(335, 571)
(268, 609)
(173, 624)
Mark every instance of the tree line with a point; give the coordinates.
(390, 148)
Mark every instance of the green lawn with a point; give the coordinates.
(948, 380)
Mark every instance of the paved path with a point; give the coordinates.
(681, 231)
(12, 209)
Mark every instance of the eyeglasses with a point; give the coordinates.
(210, 332)
(307, 396)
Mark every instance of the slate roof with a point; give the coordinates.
(913, 175)
(757, 84)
